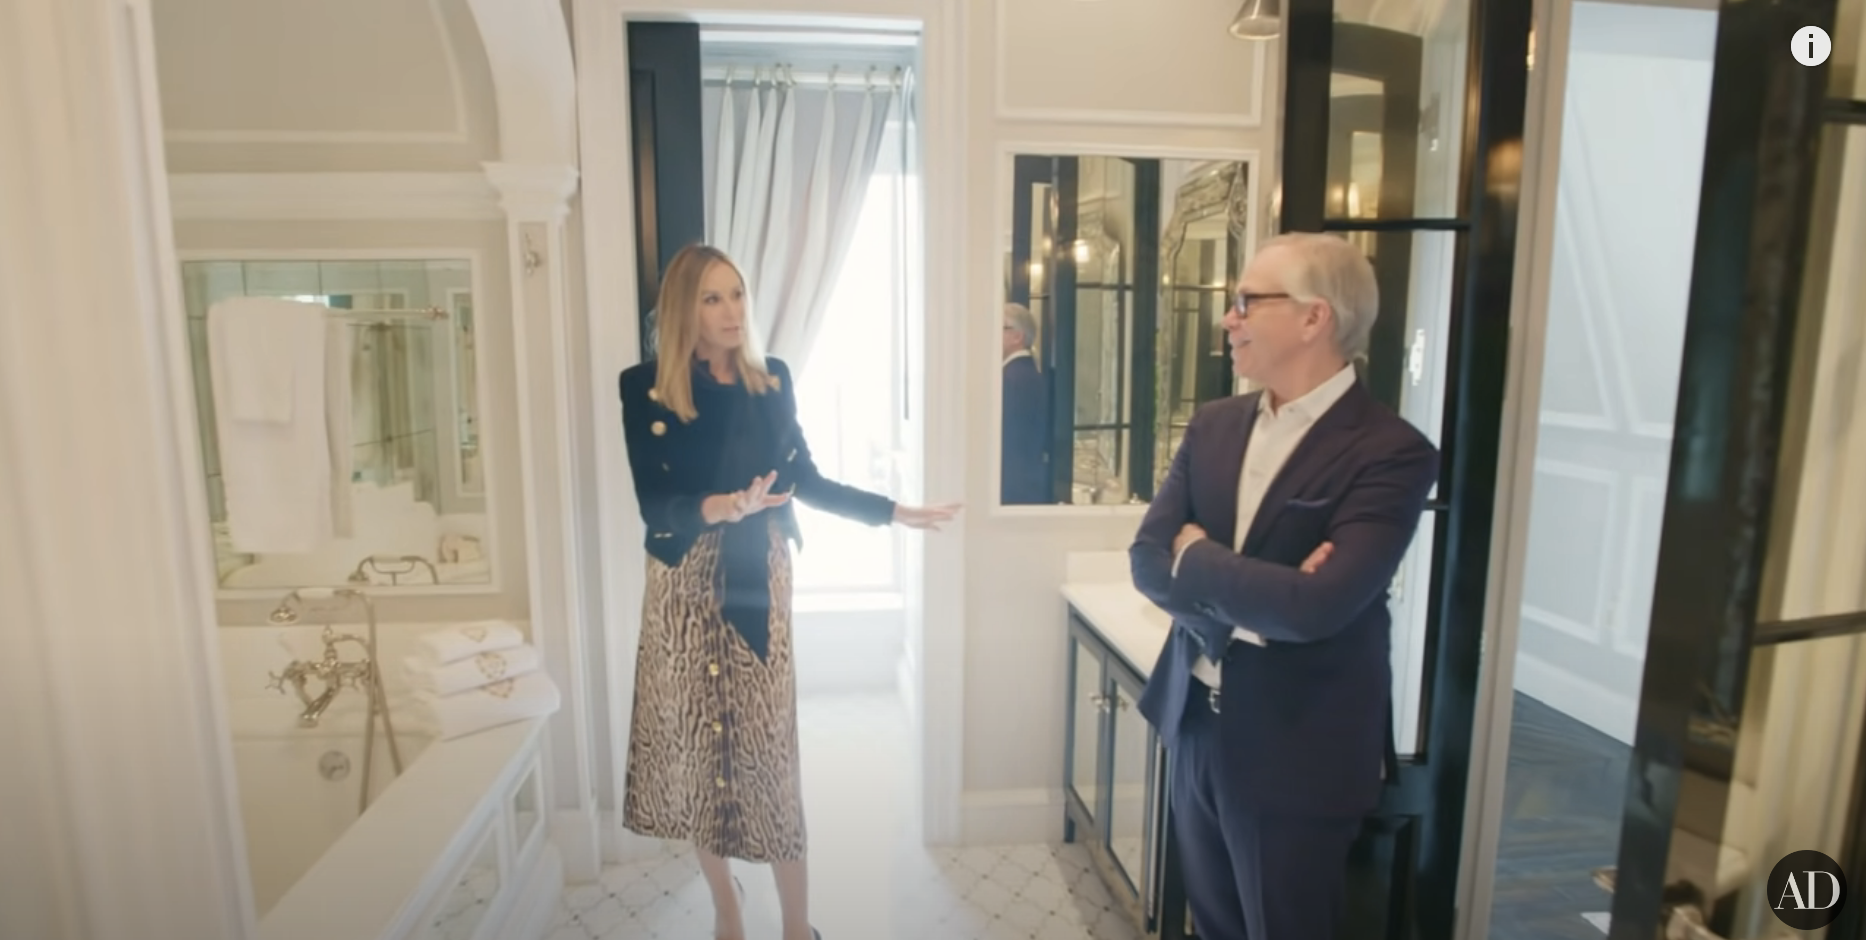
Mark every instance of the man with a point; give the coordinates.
(1025, 474)
(1272, 542)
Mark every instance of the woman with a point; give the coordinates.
(716, 453)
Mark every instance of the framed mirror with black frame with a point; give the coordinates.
(1118, 273)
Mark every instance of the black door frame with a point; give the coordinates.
(1756, 206)
(670, 185)
(1404, 870)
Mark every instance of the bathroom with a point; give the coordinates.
(460, 182)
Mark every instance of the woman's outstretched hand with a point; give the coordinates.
(929, 518)
(754, 499)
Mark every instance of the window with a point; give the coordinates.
(850, 393)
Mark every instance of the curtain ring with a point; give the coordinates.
(832, 76)
(729, 71)
(871, 78)
(897, 78)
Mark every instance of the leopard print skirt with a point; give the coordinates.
(712, 755)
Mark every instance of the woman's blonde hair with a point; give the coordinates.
(677, 331)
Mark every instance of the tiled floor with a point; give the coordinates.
(1561, 820)
(870, 877)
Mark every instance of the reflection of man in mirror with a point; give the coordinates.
(1025, 425)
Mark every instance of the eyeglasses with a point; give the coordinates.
(1246, 301)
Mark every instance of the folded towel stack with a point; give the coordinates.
(478, 676)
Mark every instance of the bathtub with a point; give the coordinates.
(455, 847)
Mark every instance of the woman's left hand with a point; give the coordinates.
(929, 518)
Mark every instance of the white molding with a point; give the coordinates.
(1603, 709)
(547, 434)
(1013, 817)
(91, 299)
(1248, 120)
(988, 340)
(534, 79)
(608, 242)
(459, 134)
(1645, 496)
(325, 197)
(533, 192)
(1606, 559)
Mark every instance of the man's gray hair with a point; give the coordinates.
(1328, 268)
(1018, 316)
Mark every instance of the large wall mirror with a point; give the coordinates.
(398, 356)
(1117, 277)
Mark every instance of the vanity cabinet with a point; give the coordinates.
(1115, 784)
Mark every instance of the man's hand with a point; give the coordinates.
(1189, 533)
(1313, 563)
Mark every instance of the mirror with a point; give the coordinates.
(403, 394)
(1117, 277)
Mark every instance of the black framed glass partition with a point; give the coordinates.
(1402, 132)
(1753, 706)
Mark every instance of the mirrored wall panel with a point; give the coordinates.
(1117, 277)
(374, 364)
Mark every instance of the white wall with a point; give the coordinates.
(1632, 141)
(1055, 76)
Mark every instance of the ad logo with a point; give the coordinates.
(1807, 890)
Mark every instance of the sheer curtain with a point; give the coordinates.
(790, 168)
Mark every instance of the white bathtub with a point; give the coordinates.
(454, 848)
(292, 813)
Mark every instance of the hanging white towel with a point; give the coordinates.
(532, 695)
(470, 639)
(257, 358)
(275, 460)
(425, 675)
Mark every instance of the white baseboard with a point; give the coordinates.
(1609, 712)
(531, 913)
(576, 837)
(1011, 817)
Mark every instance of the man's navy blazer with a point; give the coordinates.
(1304, 720)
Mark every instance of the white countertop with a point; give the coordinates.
(1134, 628)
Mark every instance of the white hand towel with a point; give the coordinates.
(533, 695)
(468, 639)
(425, 675)
(257, 358)
(276, 471)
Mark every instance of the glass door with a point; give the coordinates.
(1749, 741)
(1403, 132)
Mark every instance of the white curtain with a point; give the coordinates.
(788, 181)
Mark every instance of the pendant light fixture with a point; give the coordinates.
(1258, 20)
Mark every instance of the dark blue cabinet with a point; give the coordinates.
(1114, 785)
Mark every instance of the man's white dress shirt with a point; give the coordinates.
(1275, 436)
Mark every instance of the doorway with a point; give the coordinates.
(1664, 758)
(1630, 84)
(809, 177)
